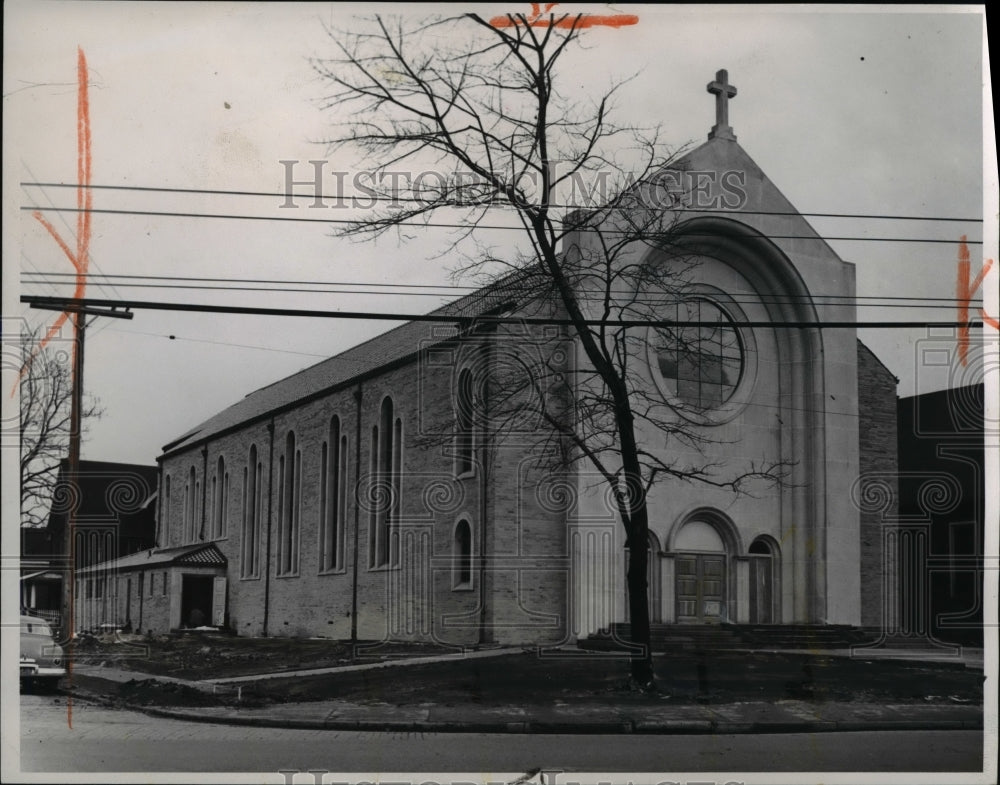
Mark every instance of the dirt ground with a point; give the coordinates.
(212, 655)
(529, 678)
(716, 677)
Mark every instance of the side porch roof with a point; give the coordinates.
(203, 554)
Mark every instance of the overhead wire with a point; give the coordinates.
(459, 318)
(446, 290)
(441, 225)
(375, 197)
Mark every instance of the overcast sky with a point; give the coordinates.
(872, 113)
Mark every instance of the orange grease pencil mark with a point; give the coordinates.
(965, 291)
(80, 259)
(84, 200)
(566, 22)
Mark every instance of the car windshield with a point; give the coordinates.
(35, 628)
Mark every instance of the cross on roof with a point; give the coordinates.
(722, 91)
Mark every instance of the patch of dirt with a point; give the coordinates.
(528, 680)
(215, 655)
(149, 692)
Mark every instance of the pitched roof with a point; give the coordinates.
(362, 360)
(517, 288)
(202, 554)
(103, 489)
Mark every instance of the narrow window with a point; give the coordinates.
(197, 518)
(375, 503)
(220, 499)
(191, 507)
(213, 495)
(462, 555)
(249, 561)
(185, 523)
(224, 524)
(164, 583)
(386, 463)
(289, 498)
(463, 424)
(333, 471)
(164, 538)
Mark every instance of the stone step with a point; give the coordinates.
(730, 636)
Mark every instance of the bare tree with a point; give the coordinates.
(46, 389)
(481, 105)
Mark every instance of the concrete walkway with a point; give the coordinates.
(576, 716)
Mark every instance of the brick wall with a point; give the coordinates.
(877, 491)
(520, 596)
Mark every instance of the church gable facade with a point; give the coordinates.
(371, 496)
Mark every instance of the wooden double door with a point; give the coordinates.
(700, 588)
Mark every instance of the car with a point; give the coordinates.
(42, 659)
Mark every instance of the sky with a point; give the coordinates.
(864, 112)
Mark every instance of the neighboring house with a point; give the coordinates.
(942, 496)
(115, 514)
(368, 497)
(42, 568)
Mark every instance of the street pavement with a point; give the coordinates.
(101, 740)
(587, 717)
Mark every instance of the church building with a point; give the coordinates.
(372, 497)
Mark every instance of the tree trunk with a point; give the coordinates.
(638, 600)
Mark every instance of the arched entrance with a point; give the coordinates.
(700, 570)
(763, 558)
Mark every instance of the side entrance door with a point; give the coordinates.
(761, 590)
(700, 588)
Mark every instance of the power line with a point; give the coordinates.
(103, 325)
(463, 319)
(338, 358)
(272, 281)
(369, 198)
(763, 300)
(464, 288)
(219, 343)
(437, 225)
(365, 288)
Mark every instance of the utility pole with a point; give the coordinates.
(75, 437)
(79, 315)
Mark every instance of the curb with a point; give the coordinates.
(568, 727)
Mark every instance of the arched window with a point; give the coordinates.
(289, 503)
(464, 442)
(185, 524)
(386, 467)
(461, 550)
(164, 538)
(760, 547)
(333, 498)
(220, 500)
(191, 493)
(250, 545)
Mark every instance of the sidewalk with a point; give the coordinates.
(576, 714)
